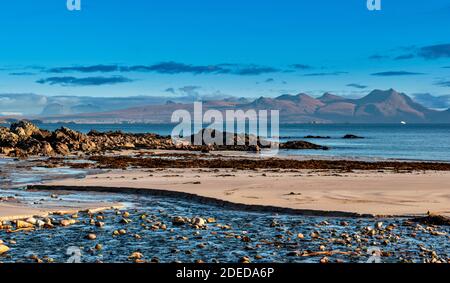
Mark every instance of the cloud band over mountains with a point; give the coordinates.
(396, 73)
(430, 52)
(88, 81)
(171, 68)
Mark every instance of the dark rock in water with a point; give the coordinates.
(217, 140)
(433, 219)
(302, 145)
(350, 136)
(317, 137)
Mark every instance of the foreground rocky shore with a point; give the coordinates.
(158, 229)
(172, 229)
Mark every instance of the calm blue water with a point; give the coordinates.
(412, 141)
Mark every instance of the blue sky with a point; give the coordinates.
(240, 48)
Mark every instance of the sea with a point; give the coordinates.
(424, 142)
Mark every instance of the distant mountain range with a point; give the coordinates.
(378, 106)
(27, 104)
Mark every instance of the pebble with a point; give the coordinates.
(99, 224)
(315, 235)
(91, 236)
(136, 255)
(178, 220)
(40, 223)
(246, 239)
(67, 222)
(31, 220)
(125, 221)
(379, 225)
(3, 249)
(23, 224)
(198, 221)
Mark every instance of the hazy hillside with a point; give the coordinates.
(378, 106)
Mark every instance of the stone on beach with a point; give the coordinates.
(20, 224)
(198, 221)
(3, 249)
(178, 220)
(91, 236)
(67, 222)
(32, 220)
(136, 255)
(99, 224)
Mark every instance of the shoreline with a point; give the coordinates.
(20, 212)
(308, 192)
(209, 201)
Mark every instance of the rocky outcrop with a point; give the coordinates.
(8, 138)
(302, 145)
(211, 139)
(24, 139)
(433, 219)
(25, 129)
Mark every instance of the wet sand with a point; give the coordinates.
(363, 192)
(13, 210)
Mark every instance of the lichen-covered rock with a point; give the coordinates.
(62, 148)
(8, 138)
(24, 129)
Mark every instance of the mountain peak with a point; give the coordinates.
(329, 97)
(378, 95)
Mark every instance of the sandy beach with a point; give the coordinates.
(17, 210)
(364, 192)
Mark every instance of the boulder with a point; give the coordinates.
(47, 149)
(19, 153)
(6, 150)
(24, 129)
(62, 148)
(8, 138)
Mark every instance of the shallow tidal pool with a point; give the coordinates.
(145, 231)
